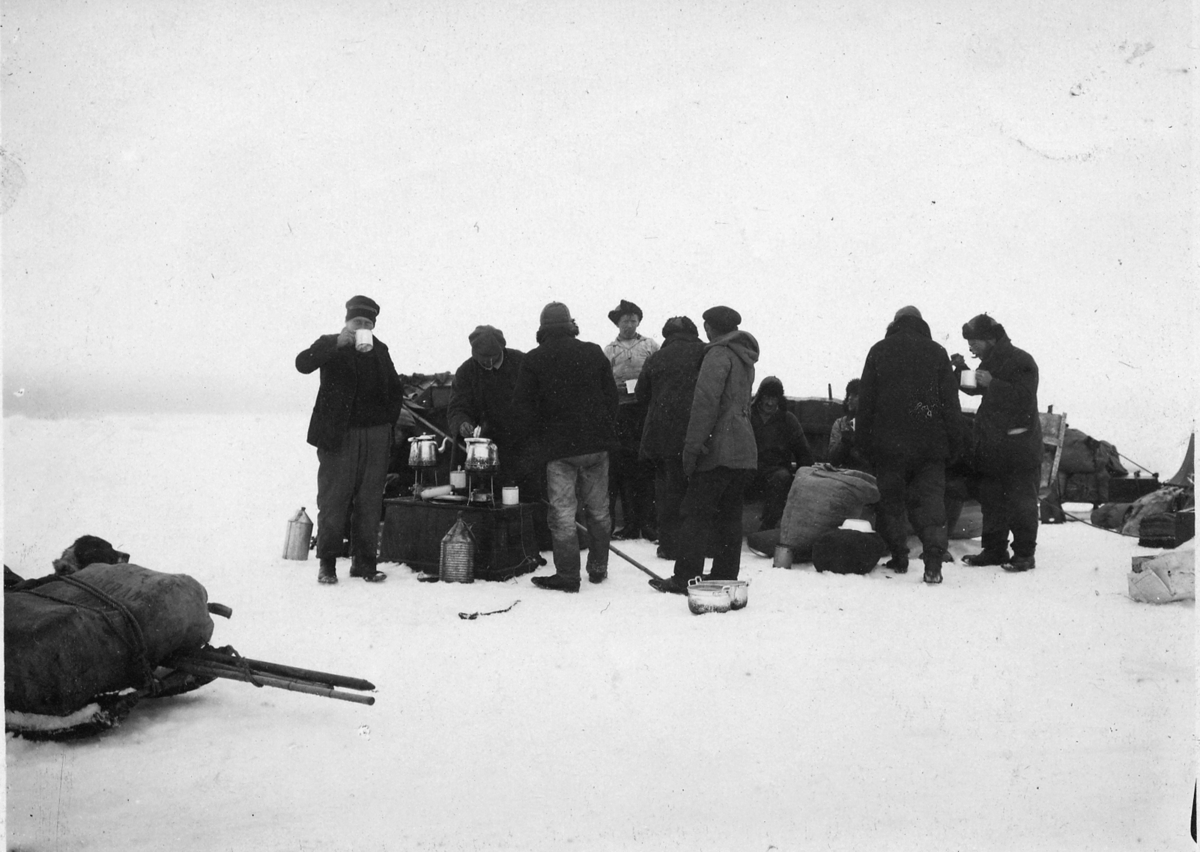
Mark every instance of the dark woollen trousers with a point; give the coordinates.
(712, 511)
(352, 477)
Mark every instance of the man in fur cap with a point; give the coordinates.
(719, 453)
(782, 448)
(908, 425)
(351, 426)
(566, 402)
(1008, 444)
(631, 478)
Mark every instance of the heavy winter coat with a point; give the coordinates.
(666, 387)
(719, 433)
(485, 398)
(565, 399)
(1009, 403)
(780, 438)
(362, 384)
(908, 402)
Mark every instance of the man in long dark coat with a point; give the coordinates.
(665, 388)
(908, 424)
(1008, 445)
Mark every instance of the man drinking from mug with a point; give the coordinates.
(351, 426)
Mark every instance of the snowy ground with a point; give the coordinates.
(1035, 711)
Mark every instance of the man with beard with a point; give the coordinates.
(1008, 444)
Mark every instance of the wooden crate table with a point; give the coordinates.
(504, 537)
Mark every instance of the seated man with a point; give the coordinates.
(782, 448)
(843, 449)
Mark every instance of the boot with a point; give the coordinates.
(557, 583)
(899, 564)
(933, 570)
(1019, 563)
(987, 557)
(327, 573)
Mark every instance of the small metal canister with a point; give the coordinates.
(457, 564)
(299, 533)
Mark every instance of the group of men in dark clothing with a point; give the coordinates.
(909, 428)
(558, 413)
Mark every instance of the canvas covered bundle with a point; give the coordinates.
(97, 631)
(821, 498)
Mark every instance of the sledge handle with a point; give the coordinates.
(215, 656)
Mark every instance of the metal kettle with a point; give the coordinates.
(423, 450)
(482, 455)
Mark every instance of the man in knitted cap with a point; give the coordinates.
(631, 478)
(908, 427)
(1008, 444)
(665, 388)
(566, 402)
(782, 448)
(481, 397)
(719, 453)
(351, 426)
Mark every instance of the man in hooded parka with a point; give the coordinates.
(719, 453)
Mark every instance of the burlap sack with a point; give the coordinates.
(821, 498)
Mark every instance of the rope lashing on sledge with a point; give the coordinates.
(138, 643)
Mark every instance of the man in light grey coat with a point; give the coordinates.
(719, 453)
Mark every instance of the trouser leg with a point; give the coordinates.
(1022, 504)
(995, 513)
(927, 485)
(697, 513)
(335, 489)
(670, 485)
(592, 488)
(891, 517)
(775, 494)
(373, 451)
(560, 487)
(728, 525)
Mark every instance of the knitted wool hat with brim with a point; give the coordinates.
(557, 317)
(982, 327)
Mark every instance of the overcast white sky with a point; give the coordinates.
(194, 190)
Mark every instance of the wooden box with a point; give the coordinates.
(504, 536)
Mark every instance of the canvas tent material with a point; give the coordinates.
(1186, 476)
